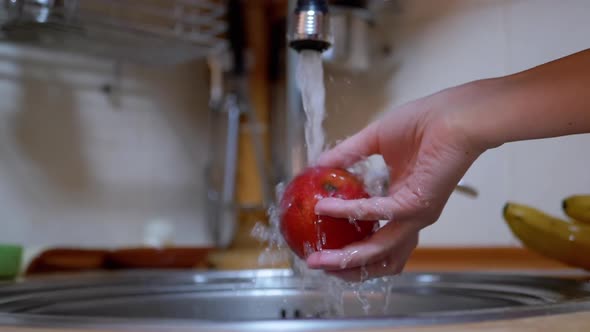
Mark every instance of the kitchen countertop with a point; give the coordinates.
(508, 260)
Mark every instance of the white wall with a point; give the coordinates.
(78, 167)
(437, 44)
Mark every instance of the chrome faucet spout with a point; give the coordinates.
(310, 28)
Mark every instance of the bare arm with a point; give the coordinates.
(549, 100)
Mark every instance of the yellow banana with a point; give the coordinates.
(549, 236)
(577, 207)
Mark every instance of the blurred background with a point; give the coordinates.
(135, 148)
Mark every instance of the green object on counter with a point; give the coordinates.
(10, 261)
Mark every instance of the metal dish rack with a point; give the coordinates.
(140, 31)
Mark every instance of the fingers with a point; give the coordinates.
(412, 200)
(361, 145)
(387, 244)
(376, 208)
(361, 274)
(392, 265)
(335, 260)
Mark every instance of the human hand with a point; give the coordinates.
(430, 143)
(428, 149)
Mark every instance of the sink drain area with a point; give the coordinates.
(294, 314)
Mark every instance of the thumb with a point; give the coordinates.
(360, 145)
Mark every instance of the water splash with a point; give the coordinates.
(270, 234)
(375, 174)
(362, 290)
(335, 297)
(387, 289)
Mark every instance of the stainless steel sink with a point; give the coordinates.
(275, 299)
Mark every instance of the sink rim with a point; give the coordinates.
(571, 305)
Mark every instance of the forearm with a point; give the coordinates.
(546, 101)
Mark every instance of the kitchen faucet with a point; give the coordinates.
(310, 29)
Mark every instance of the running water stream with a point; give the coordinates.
(310, 79)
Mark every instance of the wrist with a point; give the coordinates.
(478, 112)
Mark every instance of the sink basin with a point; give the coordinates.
(269, 299)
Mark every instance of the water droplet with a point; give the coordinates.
(364, 273)
(387, 289)
(318, 230)
(260, 232)
(307, 248)
(376, 226)
(360, 292)
(347, 256)
(354, 221)
(335, 290)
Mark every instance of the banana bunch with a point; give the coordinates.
(577, 207)
(567, 241)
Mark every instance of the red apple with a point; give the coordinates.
(303, 230)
